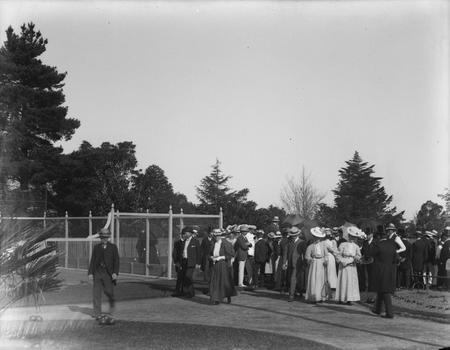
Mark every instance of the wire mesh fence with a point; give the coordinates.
(144, 240)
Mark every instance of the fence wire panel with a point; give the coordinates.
(131, 261)
(78, 228)
(78, 254)
(143, 241)
(58, 225)
(98, 223)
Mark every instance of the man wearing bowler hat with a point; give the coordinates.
(384, 273)
(104, 269)
(419, 257)
(191, 259)
(295, 262)
(241, 247)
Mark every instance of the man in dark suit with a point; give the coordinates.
(419, 257)
(430, 263)
(281, 281)
(177, 256)
(191, 259)
(372, 238)
(405, 264)
(241, 247)
(444, 256)
(206, 265)
(384, 253)
(295, 262)
(104, 269)
(262, 256)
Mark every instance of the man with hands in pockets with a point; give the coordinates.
(104, 269)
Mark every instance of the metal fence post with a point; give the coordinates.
(169, 248)
(112, 223)
(118, 231)
(45, 223)
(147, 244)
(221, 218)
(90, 234)
(66, 229)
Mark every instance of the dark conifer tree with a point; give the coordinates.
(359, 196)
(214, 193)
(32, 112)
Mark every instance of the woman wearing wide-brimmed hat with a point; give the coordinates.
(331, 245)
(316, 256)
(347, 289)
(221, 285)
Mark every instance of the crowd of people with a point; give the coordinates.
(315, 264)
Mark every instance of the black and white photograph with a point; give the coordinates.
(224, 175)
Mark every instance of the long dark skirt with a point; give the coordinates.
(221, 285)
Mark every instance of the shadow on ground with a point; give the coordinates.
(148, 335)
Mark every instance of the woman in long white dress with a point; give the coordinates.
(331, 246)
(316, 257)
(347, 289)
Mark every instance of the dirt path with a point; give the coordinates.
(342, 326)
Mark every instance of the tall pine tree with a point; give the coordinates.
(32, 114)
(214, 193)
(359, 196)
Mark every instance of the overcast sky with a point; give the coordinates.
(265, 87)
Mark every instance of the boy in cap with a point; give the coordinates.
(104, 269)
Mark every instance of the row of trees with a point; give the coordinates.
(358, 198)
(35, 175)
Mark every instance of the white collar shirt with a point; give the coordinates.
(251, 240)
(217, 246)
(186, 245)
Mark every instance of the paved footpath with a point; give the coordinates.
(342, 326)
